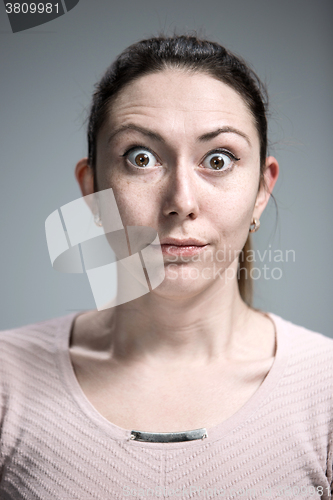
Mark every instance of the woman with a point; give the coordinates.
(187, 390)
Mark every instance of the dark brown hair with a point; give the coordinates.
(188, 53)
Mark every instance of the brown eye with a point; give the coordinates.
(218, 161)
(141, 158)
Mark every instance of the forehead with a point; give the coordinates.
(177, 102)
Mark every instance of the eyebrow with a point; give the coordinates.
(138, 128)
(154, 135)
(223, 130)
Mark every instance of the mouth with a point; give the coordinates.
(184, 247)
(181, 250)
(183, 242)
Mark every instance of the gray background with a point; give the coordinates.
(47, 77)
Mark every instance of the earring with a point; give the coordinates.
(255, 224)
(98, 220)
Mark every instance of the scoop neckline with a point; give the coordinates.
(215, 433)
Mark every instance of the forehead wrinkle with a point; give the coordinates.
(157, 137)
(128, 107)
(186, 92)
(129, 110)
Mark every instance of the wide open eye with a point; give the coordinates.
(219, 160)
(140, 157)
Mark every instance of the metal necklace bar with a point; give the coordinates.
(169, 437)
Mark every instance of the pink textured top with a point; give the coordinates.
(56, 446)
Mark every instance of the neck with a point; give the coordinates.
(196, 329)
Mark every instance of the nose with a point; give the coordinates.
(181, 193)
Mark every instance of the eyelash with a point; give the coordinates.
(217, 150)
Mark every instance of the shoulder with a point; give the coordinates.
(306, 384)
(27, 361)
(309, 353)
(302, 336)
(304, 394)
(25, 344)
(35, 332)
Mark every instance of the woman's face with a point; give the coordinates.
(181, 153)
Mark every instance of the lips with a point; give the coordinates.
(182, 247)
(182, 242)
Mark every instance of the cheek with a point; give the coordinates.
(135, 207)
(233, 208)
(230, 215)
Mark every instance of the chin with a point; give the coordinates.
(186, 283)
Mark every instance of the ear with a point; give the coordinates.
(271, 173)
(85, 177)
